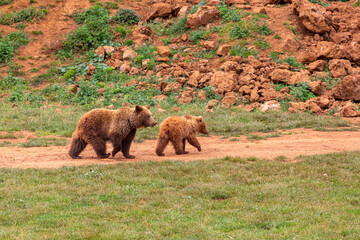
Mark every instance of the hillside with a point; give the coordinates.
(291, 56)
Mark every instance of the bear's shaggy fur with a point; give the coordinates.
(118, 126)
(178, 129)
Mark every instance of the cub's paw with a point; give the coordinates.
(76, 157)
(199, 149)
(160, 154)
(130, 157)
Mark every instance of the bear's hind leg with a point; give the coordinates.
(184, 143)
(99, 145)
(77, 146)
(161, 144)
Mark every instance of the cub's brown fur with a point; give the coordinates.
(178, 129)
(118, 126)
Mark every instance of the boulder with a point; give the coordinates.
(318, 65)
(201, 95)
(280, 75)
(142, 35)
(353, 52)
(311, 16)
(270, 106)
(185, 96)
(224, 49)
(348, 88)
(208, 44)
(229, 66)
(164, 51)
(194, 79)
(229, 99)
(290, 45)
(339, 67)
(224, 82)
(129, 54)
(159, 10)
(348, 110)
(202, 16)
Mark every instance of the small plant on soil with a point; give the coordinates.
(242, 51)
(301, 91)
(5, 2)
(26, 14)
(128, 16)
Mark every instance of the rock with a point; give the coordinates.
(348, 110)
(316, 87)
(104, 51)
(182, 12)
(314, 108)
(184, 37)
(172, 87)
(298, 77)
(311, 16)
(254, 96)
(164, 51)
(125, 67)
(91, 70)
(212, 103)
(224, 82)
(290, 45)
(348, 88)
(329, 50)
(177, 109)
(229, 66)
(160, 97)
(308, 56)
(142, 35)
(194, 79)
(159, 10)
(280, 75)
(129, 54)
(270, 94)
(245, 90)
(353, 51)
(254, 62)
(208, 44)
(229, 99)
(339, 67)
(185, 96)
(270, 106)
(201, 95)
(224, 49)
(202, 16)
(318, 65)
(213, 2)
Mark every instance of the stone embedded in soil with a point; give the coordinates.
(340, 67)
(348, 110)
(270, 106)
(164, 51)
(159, 10)
(229, 99)
(129, 54)
(224, 82)
(348, 88)
(312, 16)
(194, 79)
(185, 96)
(318, 65)
(202, 16)
(224, 49)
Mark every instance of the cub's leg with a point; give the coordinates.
(126, 143)
(184, 143)
(179, 146)
(163, 140)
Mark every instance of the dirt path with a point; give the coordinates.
(292, 144)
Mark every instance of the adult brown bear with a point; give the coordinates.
(178, 129)
(118, 126)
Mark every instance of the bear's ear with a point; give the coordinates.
(138, 109)
(199, 119)
(148, 106)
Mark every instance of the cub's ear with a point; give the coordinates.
(199, 119)
(147, 106)
(138, 109)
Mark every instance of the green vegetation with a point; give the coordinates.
(197, 36)
(27, 14)
(5, 2)
(37, 32)
(127, 16)
(324, 4)
(10, 43)
(302, 91)
(44, 142)
(233, 197)
(357, 3)
(242, 51)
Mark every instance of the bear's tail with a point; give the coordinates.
(77, 146)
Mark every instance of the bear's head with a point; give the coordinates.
(144, 117)
(201, 125)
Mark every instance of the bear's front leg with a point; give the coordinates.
(193, 141)
(99, 145)
(126, 143)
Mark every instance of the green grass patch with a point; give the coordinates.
(44, 142)
(232, 198)
(10, 43)
(5, 2)
(26, 14)
(10, 136)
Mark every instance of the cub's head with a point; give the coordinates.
(144, 117)
(201, 124)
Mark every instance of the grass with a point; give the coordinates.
(230, 198)
(48, 122)
(25, 14)
(44, 142)
(5, 2)
(10, 136)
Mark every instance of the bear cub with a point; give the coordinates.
(178, 129)
(118, 126)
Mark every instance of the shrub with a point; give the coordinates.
(150, 65)
(87, 93)
(178, 27)
(292, 62)
(5, 2)
(301, 91)
(238, 32)
(18, 39)
(10, 43)
(228, 14)
(94, 13)
(264, 30)
(128, 16)
(23, 15)
(196, 36)
(242, 51)
(121, 30)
